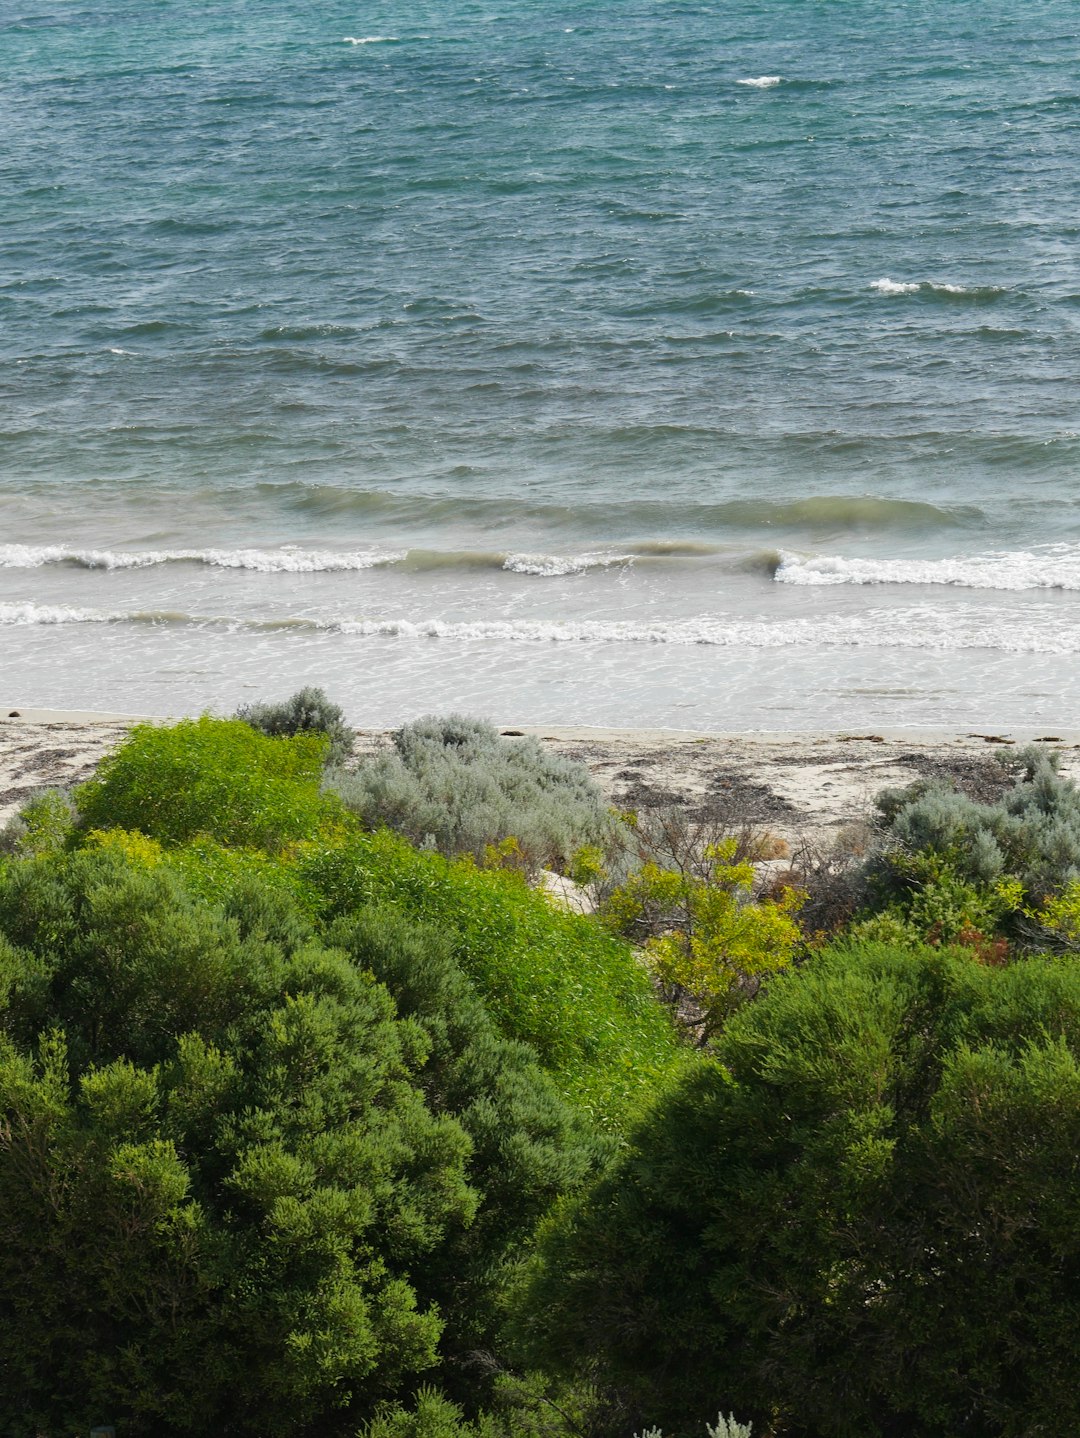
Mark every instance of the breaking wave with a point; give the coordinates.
(1052, 566)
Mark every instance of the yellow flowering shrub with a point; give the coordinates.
(706, 939)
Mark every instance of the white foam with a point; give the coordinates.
(1050, 566)
(369, 39)
(29, 613)
(894, 287)
(940, 287)
(761, 82)
(267, 561)
(551, 566)
(958, 627)
(287, 561)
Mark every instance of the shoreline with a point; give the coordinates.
(799, 785)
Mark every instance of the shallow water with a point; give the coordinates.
(640, 364)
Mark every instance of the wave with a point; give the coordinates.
(834, 512)
(318, 561)
(1052, 566)
(762, 82)
(265, 561)
(369, 39)
(939, 289)
(917, 628)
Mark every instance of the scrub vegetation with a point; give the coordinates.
(317, 1117)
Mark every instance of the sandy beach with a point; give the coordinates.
(797, 785)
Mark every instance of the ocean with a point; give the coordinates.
(701, 366)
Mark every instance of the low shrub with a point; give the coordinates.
(551, 978)
(1032, 833)
(710, 944)
(217, 777)
(42, 826)
(457, 785)
(308, 711)
(952, 869)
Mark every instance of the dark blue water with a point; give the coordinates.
(542, 315)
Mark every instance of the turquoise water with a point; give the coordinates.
(655, 363)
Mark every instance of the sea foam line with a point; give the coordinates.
(1052, 566)
(292, 560)
(956, 628)
(266, 561)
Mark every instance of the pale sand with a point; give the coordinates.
(795, 785)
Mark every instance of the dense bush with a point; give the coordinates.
(308, 711)
(217, 1168)
(457, 785)
(864, 1222)
(528, 1146)
(551, 978)
(209, 776)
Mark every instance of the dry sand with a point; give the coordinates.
(796, 785)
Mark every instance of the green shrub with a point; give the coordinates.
(457, 785)
(433, 1416)
(308, 711)
(549, 977)
(528, 1146)
(217, 777)
(864, 1221)
(42, 826)
(218, 1173)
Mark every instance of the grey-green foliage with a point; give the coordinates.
(722, 1428)
(728, 1428)
(308, 711)
(1032, 832)
(456, 784)
(41, 826)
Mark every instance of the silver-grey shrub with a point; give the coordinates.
(1032, 831)
(308, 711)
(457, 785)
(722, 1428)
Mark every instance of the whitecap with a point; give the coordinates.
(369, 39)
(894, 287)
(27, 612)
(550, 566)
(1051, 566)
(761, 82)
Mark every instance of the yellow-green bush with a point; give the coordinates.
(218, 777)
